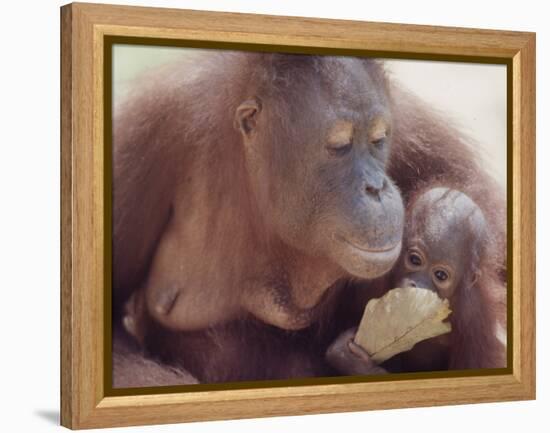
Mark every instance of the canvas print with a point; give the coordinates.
(289, 216)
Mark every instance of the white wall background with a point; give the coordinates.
(29, 222)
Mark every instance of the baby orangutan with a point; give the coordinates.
(446, 245)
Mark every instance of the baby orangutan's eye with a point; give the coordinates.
(441, 275)
(415, 260)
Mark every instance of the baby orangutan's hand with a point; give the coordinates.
(349, 358)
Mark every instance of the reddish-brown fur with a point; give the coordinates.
(424, 148)
(478, 307)
(444, 230)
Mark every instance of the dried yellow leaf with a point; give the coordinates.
(401, 318)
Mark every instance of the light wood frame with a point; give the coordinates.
(83, 400)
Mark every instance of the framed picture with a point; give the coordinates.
(269, 216)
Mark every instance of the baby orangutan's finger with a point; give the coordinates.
(349, 358)
(359, 352)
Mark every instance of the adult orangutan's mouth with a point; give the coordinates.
(389, 250)
(374, 255)
(366, 261)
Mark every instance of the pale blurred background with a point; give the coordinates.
(472, 96)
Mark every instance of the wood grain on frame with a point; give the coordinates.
(83, 400)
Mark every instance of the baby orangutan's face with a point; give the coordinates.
(442, 227)
(420, 269)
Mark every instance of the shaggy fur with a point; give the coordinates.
(478, 302)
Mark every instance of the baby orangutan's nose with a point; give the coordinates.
(407, 282)
(416, 281)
